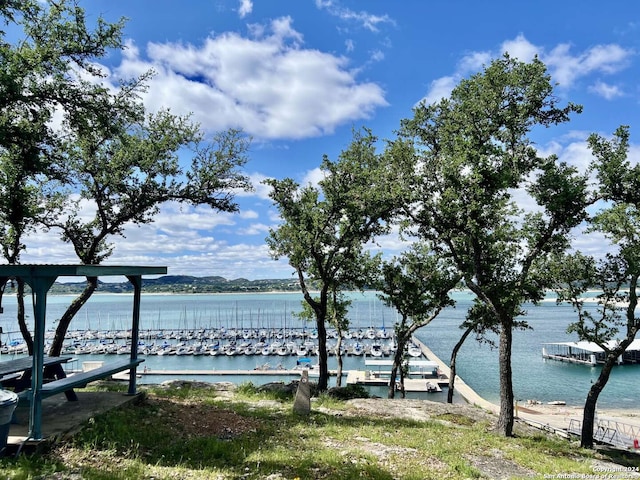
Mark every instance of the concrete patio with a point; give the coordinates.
(62, 418)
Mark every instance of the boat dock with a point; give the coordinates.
(461, 388)
(424, 375)
(588, 353)
(155, 371)
(368, 378)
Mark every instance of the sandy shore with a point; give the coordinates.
(568, 412)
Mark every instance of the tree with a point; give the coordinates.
(324, 229)
(127, 176)
(104, 150)
(472, 153)
(417, 285)
(46, 70)
(337, 309)
(616, 275)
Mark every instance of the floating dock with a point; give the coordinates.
(367, 378)
(588, 353)
(424, 375)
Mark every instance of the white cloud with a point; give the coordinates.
(519, 48)
(248, 214)
(349, 45)
(367, 20)
(605, 90)
(440, 88)
(377, 56)
(255, 229)
(634, 154)
(260, 190)
(175, 218)
(313, 177)
(268, 85)
(246, 7)
(472, 63)
(184, 239)
(567, 68)
(232, 261)
(564, 66)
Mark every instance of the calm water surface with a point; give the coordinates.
(533, 377)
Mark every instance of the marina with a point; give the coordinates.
(534, 377)
(422, 375)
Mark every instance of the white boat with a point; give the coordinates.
(183, 350)
(414, 351)
(382, 334)
(376, 350)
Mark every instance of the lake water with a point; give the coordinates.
(533, 377)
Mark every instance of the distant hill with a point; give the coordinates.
(185, 284)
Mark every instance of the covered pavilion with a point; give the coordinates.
(40, 278)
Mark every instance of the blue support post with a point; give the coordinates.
(136, 281)
(40, 286)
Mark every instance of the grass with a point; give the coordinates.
(198, 433)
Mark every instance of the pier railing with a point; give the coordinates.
(610, 432)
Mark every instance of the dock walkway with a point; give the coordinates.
(155, 371)
(460, 386)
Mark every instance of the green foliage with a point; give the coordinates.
(107, 153)
(348, 392)
(614, 324)
(325, 228)
(247, 389)
(471, 154)
(335, 442)
(473, 151)
(52, 40)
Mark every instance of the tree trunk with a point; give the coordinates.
(452, 366)
(403, 392)
(323, 379)
(65, 320)
(391, 392)
(589, 413)
(505, 420)
(24, 330)
(398, 356)
(320, 311)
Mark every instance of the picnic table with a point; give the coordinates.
(16, 373)
(40, 278)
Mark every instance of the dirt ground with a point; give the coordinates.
(226, 424)
(192, 419)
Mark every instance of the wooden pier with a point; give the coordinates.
(294, 372)
(155, 371)
(424, 375)
(361, 377)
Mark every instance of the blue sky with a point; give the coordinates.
(299, 75)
